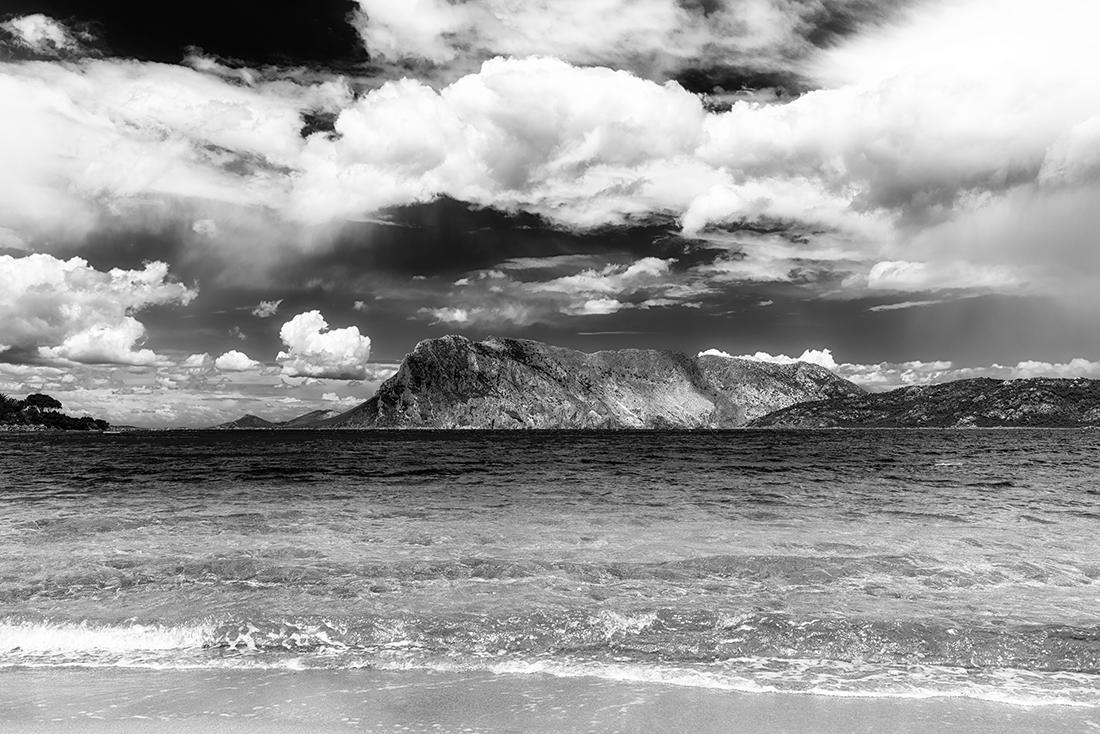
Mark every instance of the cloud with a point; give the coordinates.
(234, 361)
(200, 362)
(206, 227)
(449, 315)
(975, 164)
(44, 36)
(821, 357)
(266, 309)
(513, 295)
(315, 351)
(656, 37)
(902, 275)
(904, 305)
(64, 311)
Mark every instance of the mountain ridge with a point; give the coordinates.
(453, 382)
(1039, 402)
(249, 421)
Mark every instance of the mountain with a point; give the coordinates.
(982, 402)
(452, 382)
(248, 421)
(309, 420)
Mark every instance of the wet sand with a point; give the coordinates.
(133, 700)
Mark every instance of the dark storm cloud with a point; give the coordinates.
(447, 238)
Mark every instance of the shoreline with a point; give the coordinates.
(37, 700)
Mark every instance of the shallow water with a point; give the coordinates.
(893, 564)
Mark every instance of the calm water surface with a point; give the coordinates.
(877, 563)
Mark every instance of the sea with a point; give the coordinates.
(787, 580)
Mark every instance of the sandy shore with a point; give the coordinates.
(121, 700)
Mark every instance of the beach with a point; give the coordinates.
(311, 701)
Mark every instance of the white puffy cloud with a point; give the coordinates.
(941, 140)
(234, 361)
(43, 35)
(313, 350)
(201, 362)
(648, 36)
(821, 357)
(114, 343)
(66, 311)
(113, 138)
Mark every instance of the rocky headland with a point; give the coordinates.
(452, 382)
(980, 403)
(39, 412)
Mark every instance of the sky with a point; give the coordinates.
(212, 209)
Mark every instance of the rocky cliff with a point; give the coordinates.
(1037, 402)
(452, 382)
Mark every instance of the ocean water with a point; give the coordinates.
(875, 564)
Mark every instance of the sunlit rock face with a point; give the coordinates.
(452, 382)
(983, 402)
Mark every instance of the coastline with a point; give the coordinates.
(35, 700)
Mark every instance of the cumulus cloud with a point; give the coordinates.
(821, 357)
(975, 163)
(66, 311)
(234, 361)
(266, 309)
(654, 37)
(44, 36)
(313, 350)
(200, 362)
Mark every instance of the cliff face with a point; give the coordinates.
(452, 382)
(1038, 402)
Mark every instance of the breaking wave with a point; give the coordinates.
(747, 653)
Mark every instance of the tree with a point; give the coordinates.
(9, 407)
(42, 402)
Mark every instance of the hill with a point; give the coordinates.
(981, 402)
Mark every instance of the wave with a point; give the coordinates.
(293, 569)
(643, 635)
(393, 645)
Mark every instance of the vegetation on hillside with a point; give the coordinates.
(42, 410)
